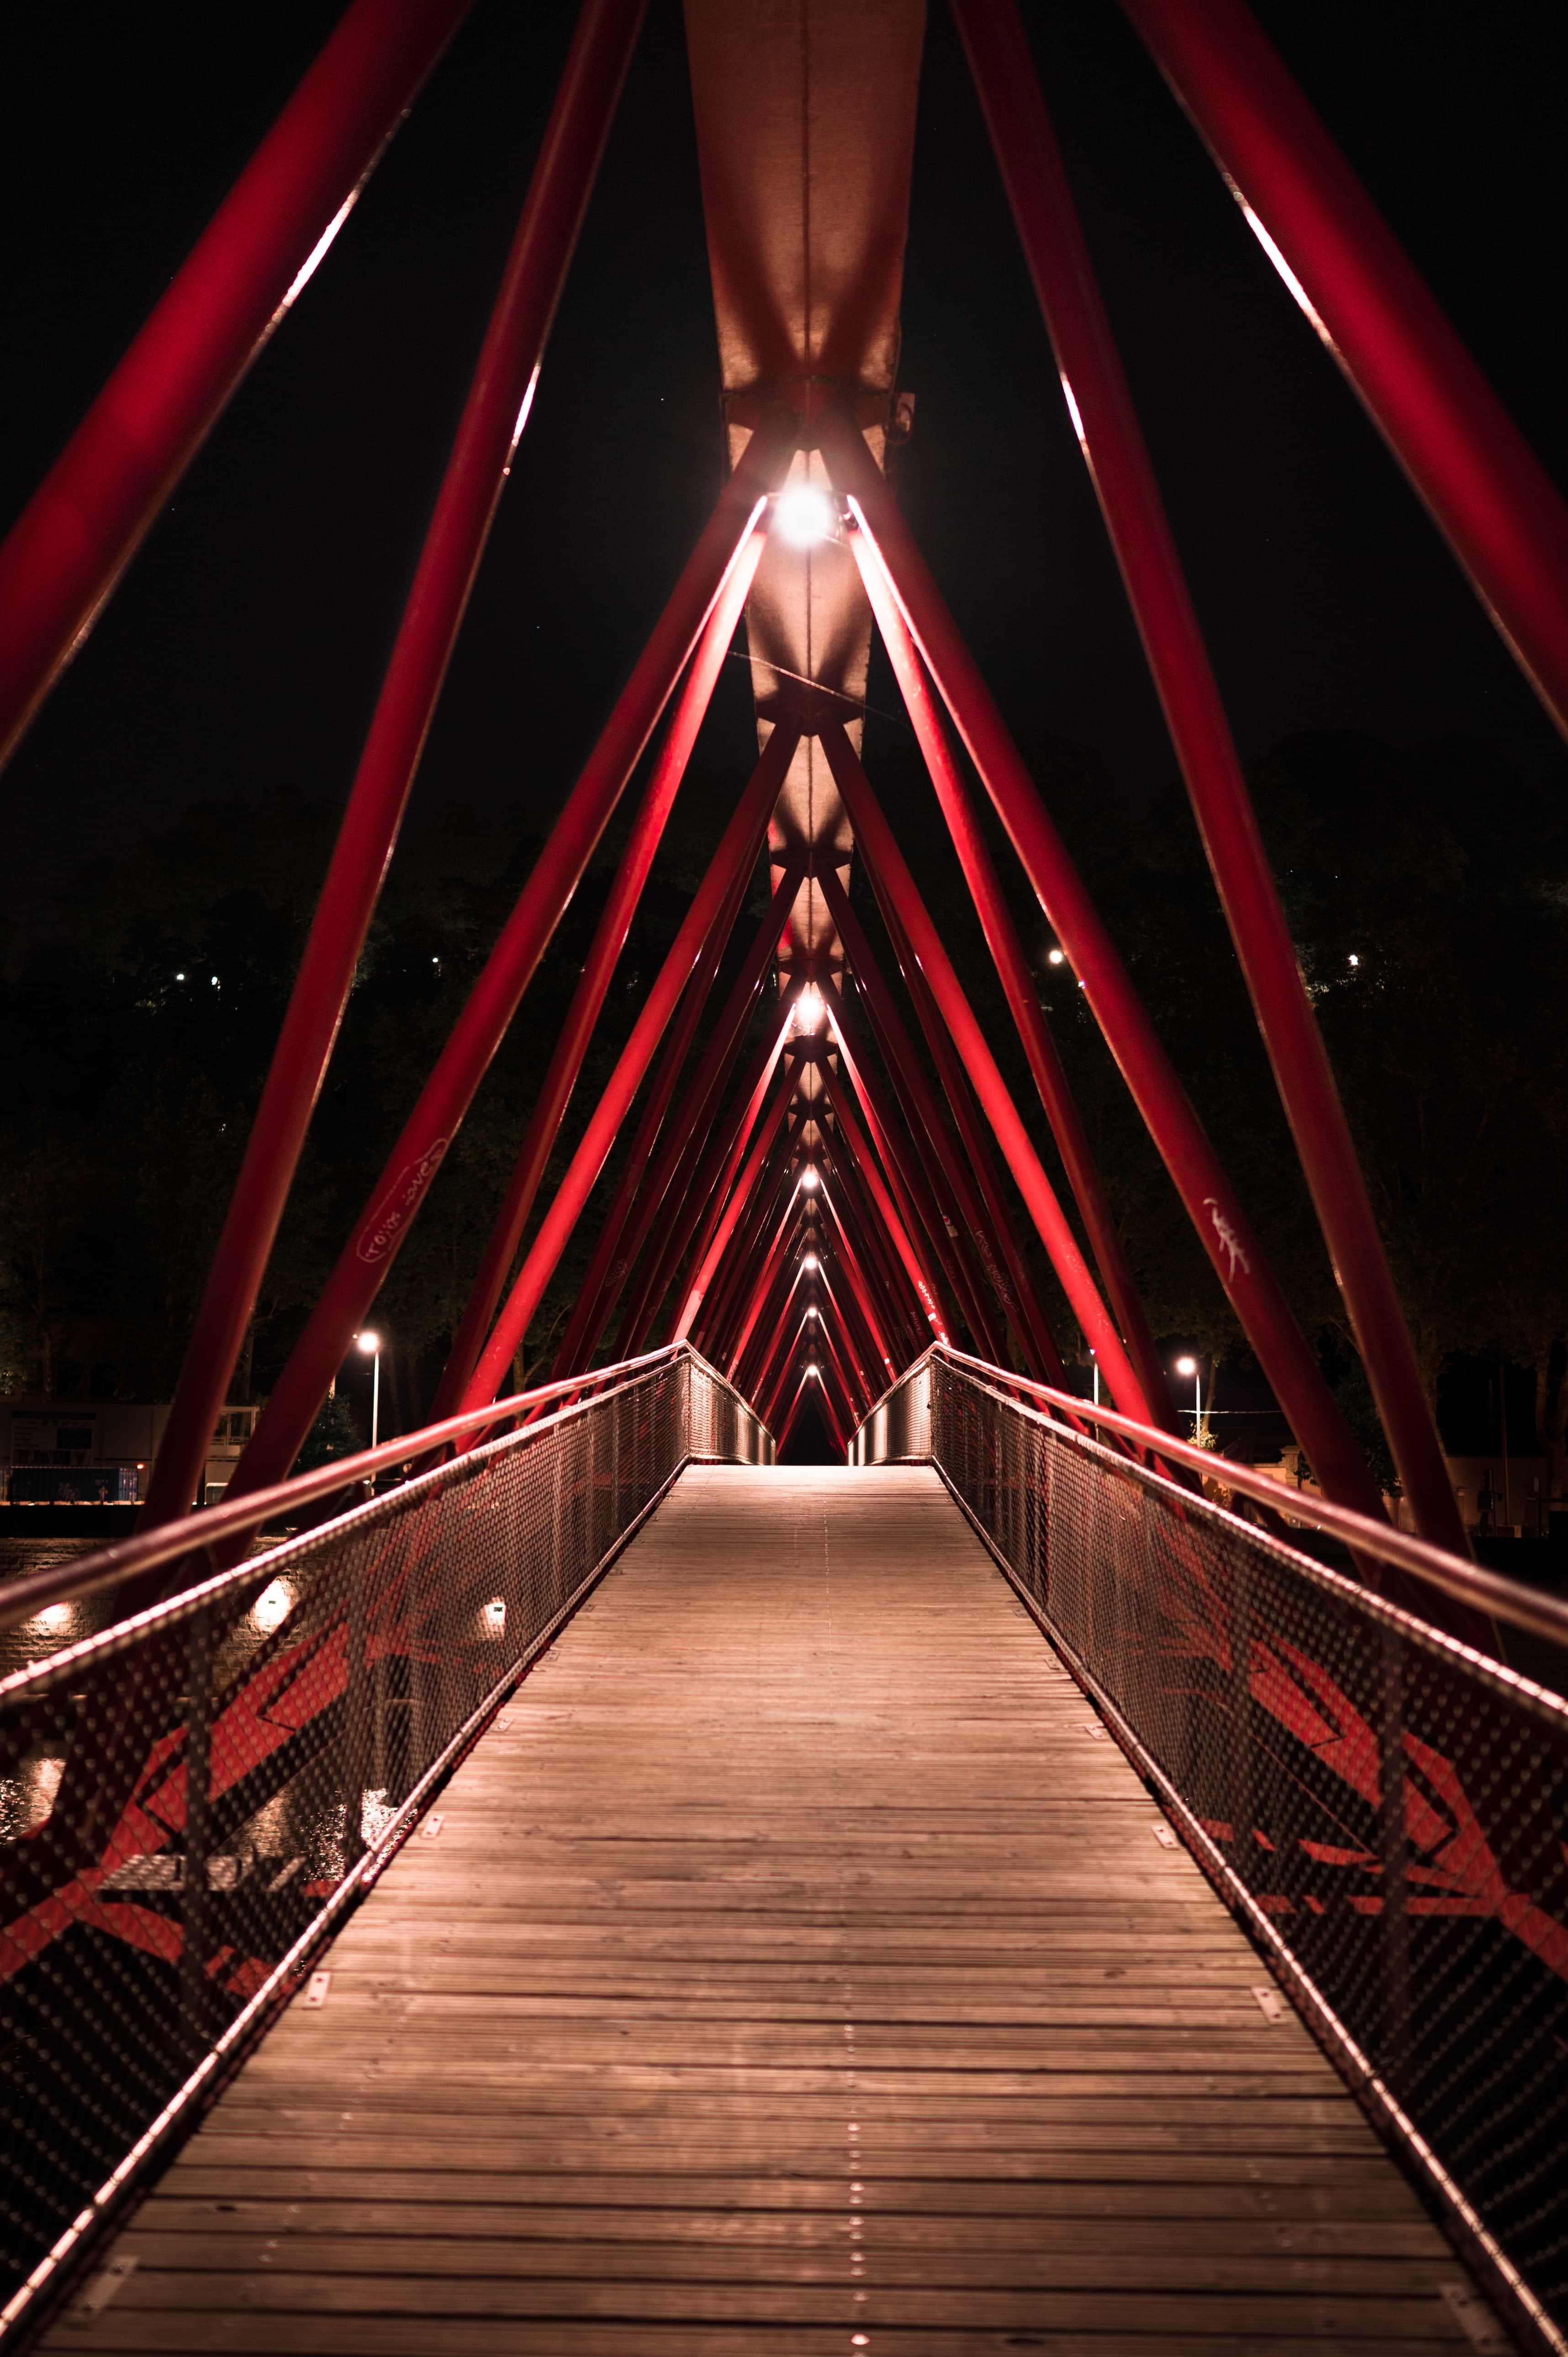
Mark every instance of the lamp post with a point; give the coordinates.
(372, 1346)
(1190, 1367)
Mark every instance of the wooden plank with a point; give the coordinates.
(793, 1963)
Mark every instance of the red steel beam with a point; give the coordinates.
(902, 1166)
(859, 1290)
(576, 1346)
(1500, 512)
(363, 1265)
(736, 1279)
(702, 1275)
(1013, 970)
(947, 1173)
(1211, 1203)
(1035, 1338)
(493, 418)
(1135, 514)
(857, 1144)
(738, 848)
(894, 885)
(588, 998)
(700, 1203)
(881, 1274)
(87, 519)
(748, 1365)
(744, 1233)
(612, 1264)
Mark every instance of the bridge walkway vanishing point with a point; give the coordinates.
(791, 1968)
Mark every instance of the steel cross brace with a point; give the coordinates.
(738, 847)
(157, 380)
(1012, 967)
(588, 998)
(689, 1121)
(1134, 515)
(1210, 1201)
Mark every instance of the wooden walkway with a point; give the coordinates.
(791, 1973)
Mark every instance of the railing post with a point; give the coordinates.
(196, 1906)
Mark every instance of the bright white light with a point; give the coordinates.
(804, 515)
(813, 1311)
(1056, 957)
(810, 1263)
(809, 1179)
(810, 1371)
(810, 1008)
(1354, 959)
(272, 1605)
(55, 1616)
(179, 978)
(1186, 1366)
(495, 1613)
(369, 1343)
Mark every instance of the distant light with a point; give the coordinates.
(810, 1371)
(1186, 1366)
(1354, 959)
(369, 1342)
(813, 1311)
(810, 1262)
(809, 1179)
(804, 515)
(810, 1008)
(179, 978)
(216, 984)
(1058, 957)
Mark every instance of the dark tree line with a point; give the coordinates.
(1426, 891)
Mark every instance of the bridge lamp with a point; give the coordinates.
(811, 1370)
(810, 1008)
(372, 1346)
(804, 515)
(809, 1179)
(809, 1264)
(1190, 1367)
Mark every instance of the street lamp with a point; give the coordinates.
(1190, 1367)
(372, 1346)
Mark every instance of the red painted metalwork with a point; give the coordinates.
(736, 1276)
(429, 1130)
(1035, 1339)
(1210, 1201)
(746, 1354)
(947, 1279)
(702, 1275)
(607, 1266)
(707, 1198)
(883, 1275)
(862, 1298)
(588, 998)
(962, 1214)
(885, 865)
(1499, 510)
(493, 418)
(858, 1144)
(1118, 460)
(618, 1247)
(738, 847)
(1013, 970)
(87, 519)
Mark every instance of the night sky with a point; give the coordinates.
(244, 646)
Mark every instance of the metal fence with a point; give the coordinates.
(191, 1797)
(1387, 1807)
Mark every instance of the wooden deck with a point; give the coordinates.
(793, 1972)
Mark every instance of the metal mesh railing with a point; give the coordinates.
(190, 1797)
(1388, 1807)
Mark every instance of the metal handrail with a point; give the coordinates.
(241, 1518)
(1464, 1582)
